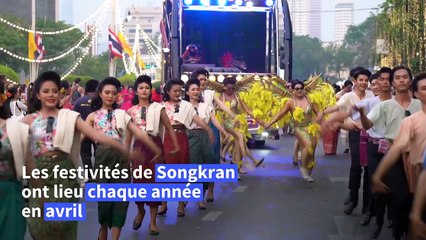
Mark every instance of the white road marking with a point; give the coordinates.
(211, 216)
(240, 189)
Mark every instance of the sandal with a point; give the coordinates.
(162, 212)
(201, 206)
(260, 162)
(181, 213)
(153, 232)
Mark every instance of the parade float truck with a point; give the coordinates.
(228, 37)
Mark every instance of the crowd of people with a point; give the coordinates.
(382, 112)
(180, 128)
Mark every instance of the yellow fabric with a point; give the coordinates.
(264, 105)
(32, 46)
(124, 44)
(299, 115)
(141, 63)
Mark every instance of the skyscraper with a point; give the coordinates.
(306, 17)
(45, 9)
(315, 19)
(344, 17)
(299, 11)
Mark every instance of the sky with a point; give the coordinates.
(327, 18)
(327, 22)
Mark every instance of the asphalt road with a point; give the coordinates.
(272, 202)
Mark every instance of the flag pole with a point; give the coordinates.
(33, 65)
(112, 63)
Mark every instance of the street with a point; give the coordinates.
(273, 202)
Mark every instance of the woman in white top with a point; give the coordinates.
(200, 150)
(17, 108)
(181, 115)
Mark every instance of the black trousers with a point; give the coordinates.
(401, 199)
(86, 152)
(356, 172)
(378, 201)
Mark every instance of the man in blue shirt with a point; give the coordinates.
(82, 106)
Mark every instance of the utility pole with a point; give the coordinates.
(33, 65)
(112, 63)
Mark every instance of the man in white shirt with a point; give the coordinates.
(378, 202)
(391, 113)
(345, 104)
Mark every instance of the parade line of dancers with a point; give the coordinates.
(193, 124)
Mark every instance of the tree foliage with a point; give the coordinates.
(9, 73)
(98, 66)
(337, 59)
(310, 57)
(128, 79)
(403, 27)
(95, 66)
(84, 79)
(361, 41)
(16, 41)
(307, 57)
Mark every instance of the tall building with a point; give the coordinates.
(45, 9)
(299, 12)
(344, 17)
(315, 19)
(306, 17)
(149, 21)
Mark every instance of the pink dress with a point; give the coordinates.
(127, 99)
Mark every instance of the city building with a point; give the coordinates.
(45, 9)
(344, 17)
(299, 12)
(306, 17)
(149, 21)
(315, 19)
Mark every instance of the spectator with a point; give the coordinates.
(82, 106)
(75, 94)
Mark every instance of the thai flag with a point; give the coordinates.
(115, 45)
(39, 54)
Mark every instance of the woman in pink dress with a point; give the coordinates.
(127, 94)
(151, 118)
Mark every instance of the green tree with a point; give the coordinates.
(307, 57)
(96, 66)
(16, 41)
(402, 25)
(57, 44)
(337, 59)
(128, 79)
(9, 73)
(361, 41)
(84, 79)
